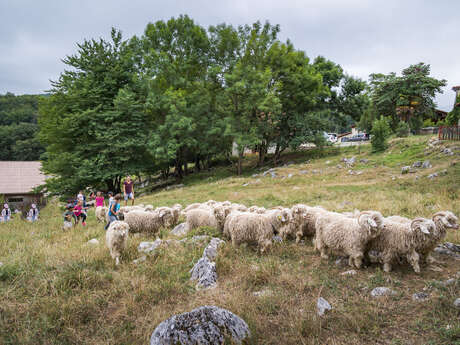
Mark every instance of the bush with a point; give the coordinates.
(428, 123)
(380, 133)
(402, 130)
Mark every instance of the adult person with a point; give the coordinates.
(114, 210)
(32, 215)
(128, 190)
(6, 213)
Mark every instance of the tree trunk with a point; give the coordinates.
(277, 154)
(185, 168)
(240, 161)
(262, 152)
(197, 163)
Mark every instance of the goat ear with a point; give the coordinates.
(371, 222)
(445, 221)
(424, 229)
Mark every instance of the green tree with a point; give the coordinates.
(93, 125)
(18, 128)
(407, 97)
(454, 116)
(380, 133)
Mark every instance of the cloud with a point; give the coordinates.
(364, 36)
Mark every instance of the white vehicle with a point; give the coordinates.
(333, 137)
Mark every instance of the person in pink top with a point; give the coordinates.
(79, 213)
(99, 199)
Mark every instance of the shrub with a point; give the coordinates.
(380, 133)
(428, 123)
(402, 130)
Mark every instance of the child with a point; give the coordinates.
(78, 212)
(110, 194)
(114, 210)
(68, 217)
(6, 213)
(99, 199)
(32, 216)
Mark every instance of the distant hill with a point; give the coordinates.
(18, 128)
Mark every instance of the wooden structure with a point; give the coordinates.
(449, 133)
(18, 179)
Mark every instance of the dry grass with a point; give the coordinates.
(56, 289)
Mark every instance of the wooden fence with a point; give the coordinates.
(449, 133)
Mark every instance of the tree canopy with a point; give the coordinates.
(181, 94)
(18, 128)
(407, 97)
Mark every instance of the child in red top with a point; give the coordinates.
(99, 199)
(78, 211)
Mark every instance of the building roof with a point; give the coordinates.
(20, 177)
(455, 88)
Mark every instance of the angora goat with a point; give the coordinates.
(116, 239)
(101, 212)
(246, 227)
(342, 235)
(401, 240)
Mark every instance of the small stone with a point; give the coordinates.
(426, 165)
(263, 293)
(452, 247)
(393, 178)
(432, 176)
(211, 249)
(303, 172)
(448, 282)
(358, 172)
(328, 162)
(323, 306)
(457, 303)
(296, 188)
(342, 261)
(141, 259)
(290, 175)
(364, 160)
(180, 230)
(149, 247)
(420, 296)
(93, 241)
(246, 184)
(382, 291)
(277, 239)
(349, 273)
(204, 272)
(338, 166)
(417, 164)
(206, 325)
(255, 175)
(443, 172)
(405, 169)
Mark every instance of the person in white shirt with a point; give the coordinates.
(6, 213)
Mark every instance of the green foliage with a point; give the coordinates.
(402, 130)
(93, 124)
(380, 133)
(405, 97)
(18, 128)
(428, 123)
(454, 116)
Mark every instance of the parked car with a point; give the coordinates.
(332, 137)
(359, 137)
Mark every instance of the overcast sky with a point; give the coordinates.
(363, 36)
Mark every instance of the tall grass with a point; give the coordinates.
(55, 288)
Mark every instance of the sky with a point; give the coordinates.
(363, 36)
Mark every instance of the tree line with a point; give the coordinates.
(18, 128)
(181, 93)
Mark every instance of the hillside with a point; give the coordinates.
(55, 288)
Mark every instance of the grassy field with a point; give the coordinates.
(57, 289)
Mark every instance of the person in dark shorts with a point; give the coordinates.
(128, 190)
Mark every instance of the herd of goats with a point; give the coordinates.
(365, 235)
